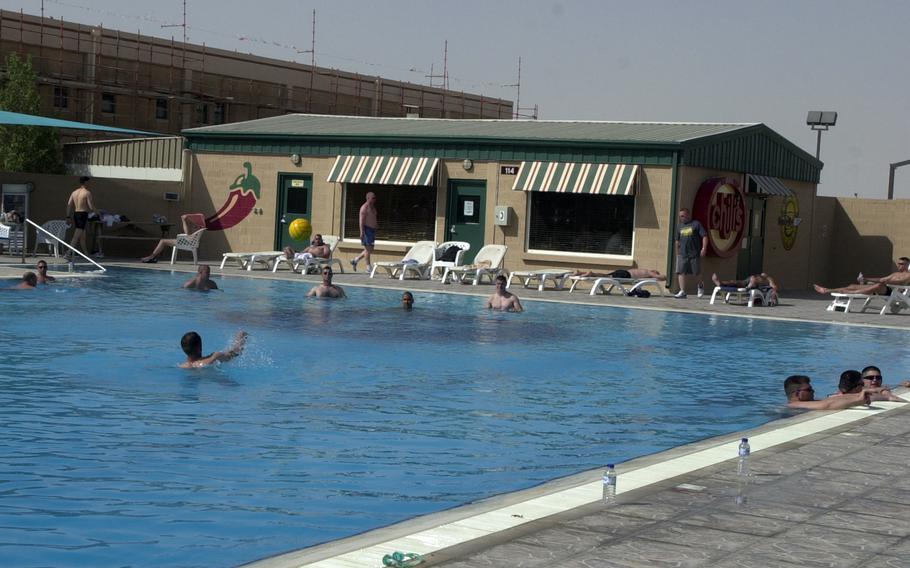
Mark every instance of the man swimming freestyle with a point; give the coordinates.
(191, 343)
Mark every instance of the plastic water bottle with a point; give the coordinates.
(861, 279)
(701, 289)
(609, 480)
(742, 468)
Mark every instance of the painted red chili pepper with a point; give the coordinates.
(240, 202)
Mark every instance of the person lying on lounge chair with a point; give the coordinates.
(763, 282)
(190, 226)
(800, 394)
(874, 285)
(621, 273)
(317, 249)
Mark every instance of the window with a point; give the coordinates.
(161, 109)
(405, 212)
(220, 114)
(202, 114)
(592, 224)
(108, 103)
(61, 97)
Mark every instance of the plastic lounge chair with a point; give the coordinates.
(842, 301)
(898, 300)
(418, 260)
(313, 264)
(606, 284)
(440, 265)
(742, 295)
(488, 262)
(557, 276)
(246, 260)
(57, 227)
(188, 243)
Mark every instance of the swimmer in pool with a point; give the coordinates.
(800, 394)
(502, 299)
(327, 289)
(202, 281)
(407, 301)
(29, 282)
(191, 343)
(43, 277)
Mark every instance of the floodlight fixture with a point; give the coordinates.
(820, 120)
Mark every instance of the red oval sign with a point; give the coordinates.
(721, 207)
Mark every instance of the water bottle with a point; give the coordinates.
(860, 278)
(609, 480)
(701, 289)
(742, 469)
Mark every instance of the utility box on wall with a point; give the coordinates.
(502, 216)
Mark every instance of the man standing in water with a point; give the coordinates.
(502, 299)
(368, 226)
(78, 207)
(326, 289)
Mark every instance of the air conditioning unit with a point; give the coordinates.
(171, 196)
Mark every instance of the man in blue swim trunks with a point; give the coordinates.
(368, 225)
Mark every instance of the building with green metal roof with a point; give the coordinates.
(559, 194)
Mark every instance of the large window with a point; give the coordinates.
(109, 103)
(592, 224)
(405, 212)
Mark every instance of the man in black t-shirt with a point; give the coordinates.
(691, 247)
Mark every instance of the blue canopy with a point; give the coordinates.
(16, 118)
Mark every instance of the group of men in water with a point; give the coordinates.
(855, 388)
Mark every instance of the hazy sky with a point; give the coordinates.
(701, 60)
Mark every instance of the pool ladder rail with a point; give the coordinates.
(64, 243)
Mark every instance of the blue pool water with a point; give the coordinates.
(344, 416)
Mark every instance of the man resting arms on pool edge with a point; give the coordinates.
(191, 343)
(800, 394)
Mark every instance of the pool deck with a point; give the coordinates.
(827, 489)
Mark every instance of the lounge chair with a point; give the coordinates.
(898, 300)
(57, 228)
(246, 260)
(418, 260)
(440, 265)
(488, 262)
(843, 301)
(312, 264)
(555, 275)
(742, 295)
(626, 286)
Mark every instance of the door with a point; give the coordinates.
(465, 214)
(295, 197)
(751, 254)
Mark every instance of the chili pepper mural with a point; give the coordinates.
(240, 202)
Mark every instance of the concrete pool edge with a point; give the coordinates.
(469, 526)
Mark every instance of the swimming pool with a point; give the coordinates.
(345, 416)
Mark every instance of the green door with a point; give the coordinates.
(751, 254)
(295, 197)
(465, 214)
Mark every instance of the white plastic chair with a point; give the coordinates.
(56, 227)
(417, 260)
(441, 265)
(187, 242)
(313, 264)
(488, 262)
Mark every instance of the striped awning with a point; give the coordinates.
(386, 170)
(574, 177)
(771, 186)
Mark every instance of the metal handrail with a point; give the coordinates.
(67, 245)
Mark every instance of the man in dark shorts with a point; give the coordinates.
(875, 285)
(369, 221)
(78, 207)
(691, 247)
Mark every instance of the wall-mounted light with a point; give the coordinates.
(467, 165)
(295, 159)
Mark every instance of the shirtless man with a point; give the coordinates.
(189, 227)
(368, 226)
(317, 249)
(202, 280)
(326, 289)
(43, 277)
(874, 285)
(762, 280)
(800, 394)
(78, 207)
(191, 343)
(407, 301)
(502, 299)
(29, 281)
(630, 273)
(872, 379)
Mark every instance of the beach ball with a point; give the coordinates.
(300, 229)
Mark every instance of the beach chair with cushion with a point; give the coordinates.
(312, 264)
(246, 260)
(898, 300)
(418, 261)
(448, 255)
(541, 276)
(740, 295)
(58, 228)
(626, 286)
(188, 243)
(488, 262)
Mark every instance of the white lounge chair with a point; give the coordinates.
(488, 262)
(58, 228)
(898, 300)
(312, 264)
(418, 260)
(742, 295)
(189, 243)
(246, 260)
(843, 301)
(439, 266)
(606, 284)
(555, 275)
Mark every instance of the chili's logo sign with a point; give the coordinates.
(721, 207)
(789, 221)
(244, 193)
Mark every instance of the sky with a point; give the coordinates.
(635, 60)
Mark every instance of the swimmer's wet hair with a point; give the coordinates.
(191, 343)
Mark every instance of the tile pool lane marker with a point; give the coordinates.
(484, 524)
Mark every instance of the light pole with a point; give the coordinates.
(820, 120)
(893, 167)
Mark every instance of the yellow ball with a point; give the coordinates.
(300, 229)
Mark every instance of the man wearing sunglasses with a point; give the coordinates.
(872, 380)
(874, 285)
(326, 289)
(800, 394)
